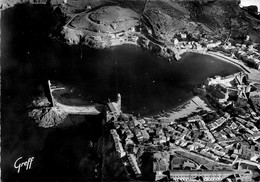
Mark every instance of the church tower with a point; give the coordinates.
(119, 101)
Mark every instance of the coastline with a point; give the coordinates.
(82, 147)
(227, 59)
(217, 55)
(168, 52)
(95, 35)
(195, 104)
(253, 74)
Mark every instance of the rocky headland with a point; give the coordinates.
(167, 28)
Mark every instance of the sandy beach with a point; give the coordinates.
(193, 105)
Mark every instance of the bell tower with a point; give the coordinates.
(119, 101)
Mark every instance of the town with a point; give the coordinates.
(223, 144)
(64, 59)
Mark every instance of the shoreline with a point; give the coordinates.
(195, 104)
(222, 57)
(189, 104)
(217, 55)
(169, 50)
(228, 59)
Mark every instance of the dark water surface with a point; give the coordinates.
(148, 84)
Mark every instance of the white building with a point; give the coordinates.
(209, 175)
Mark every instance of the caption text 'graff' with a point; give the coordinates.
(18, 165)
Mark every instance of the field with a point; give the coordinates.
(108, 19)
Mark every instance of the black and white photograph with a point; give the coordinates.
(130, 90)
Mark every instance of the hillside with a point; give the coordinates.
(217, 18)
(153, 24)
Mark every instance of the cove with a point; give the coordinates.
(147, 83)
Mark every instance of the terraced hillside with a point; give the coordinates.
(217, 18)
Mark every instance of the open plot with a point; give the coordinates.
(108, 19)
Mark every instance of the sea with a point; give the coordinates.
(30, 56)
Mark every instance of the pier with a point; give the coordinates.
(94, 109)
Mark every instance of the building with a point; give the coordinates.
(134, 165)
(257, 65)
(113, 108)
(138, 135)
(129, 146)
(118, 145)
(194, 118)
(216, 123)
(209, 175)
(145, 134)
(234, 86)
(245, 176)
(159, 176)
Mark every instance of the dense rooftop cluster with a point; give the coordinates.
(224, 137)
